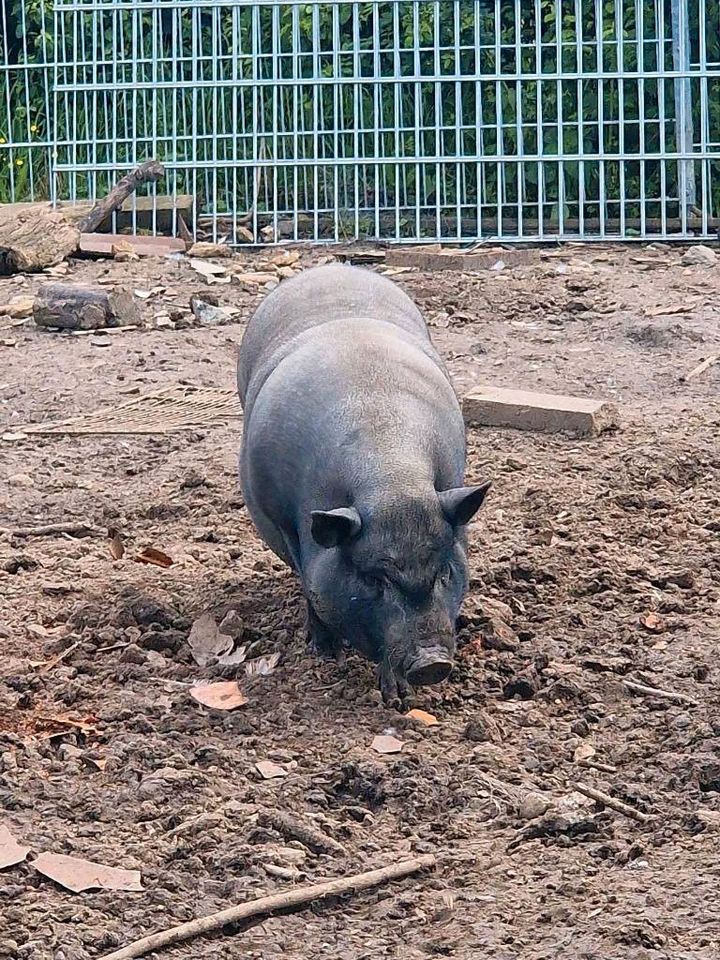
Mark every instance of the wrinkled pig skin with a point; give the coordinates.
(352, 468)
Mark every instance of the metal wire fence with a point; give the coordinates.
(25, 74)
(400, 120)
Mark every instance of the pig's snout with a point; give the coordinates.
(428, 666)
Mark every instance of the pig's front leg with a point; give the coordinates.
(323, 641)
(394, 689)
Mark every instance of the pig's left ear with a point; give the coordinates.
(461, 505)
(332, 528)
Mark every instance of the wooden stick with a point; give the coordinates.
(296, 829)
(611, 802)
(597, 765)
(266, 906)
(149, 172)
(52, 529)
(60, 657)
(657, 692)
(701, 368)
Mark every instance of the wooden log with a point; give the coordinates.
(34, 240)
(70, 307)
(149, 172)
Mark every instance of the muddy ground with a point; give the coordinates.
(606, 553)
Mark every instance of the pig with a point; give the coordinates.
(352, 468)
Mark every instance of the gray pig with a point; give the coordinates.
(352, 465)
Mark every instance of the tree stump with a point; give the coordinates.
(34, 240)
(70, 307)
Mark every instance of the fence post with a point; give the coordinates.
(683, 100)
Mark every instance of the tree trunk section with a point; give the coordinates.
(32, 241)
(69, 307)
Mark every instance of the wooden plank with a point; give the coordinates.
(546, 413)
(436, 257)
(101, 244)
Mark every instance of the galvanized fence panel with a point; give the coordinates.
(26, 54)
(401, 120)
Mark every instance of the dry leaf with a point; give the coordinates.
(10, 850)
(65, 720)
(156, 557)
(207, 644)
(584, 752)
(225, 695)
(117, 550)
(427, 719)
(98, 762)
(234, 658)
(38, 630)
(262, 666)
(384, 744)
(77, 875)
(269, 770)
(653, 622)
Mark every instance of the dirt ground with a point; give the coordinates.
(606, 553)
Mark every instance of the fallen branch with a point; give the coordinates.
(636, 687)
(266, 906)
(294, 829)
(51, 530)
(701, 368)
(149, 172)
(611, 802)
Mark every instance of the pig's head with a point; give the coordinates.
(389, 578)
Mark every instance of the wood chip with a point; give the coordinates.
(386, 744)
(427, 719)
(117, 550)
(225, 695)
(269, 770)
(77, 875)
(155, 557)
(11, 852)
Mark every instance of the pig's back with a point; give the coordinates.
(316, 297)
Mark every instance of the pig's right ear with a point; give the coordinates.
(333, 528)
(461, 504)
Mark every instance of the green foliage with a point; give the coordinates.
(476, 142)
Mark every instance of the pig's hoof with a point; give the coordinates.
(394, 689)
(324, 643)
(430, 667)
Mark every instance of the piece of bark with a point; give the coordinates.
(35, 240)
(71, 307)
(149, 172)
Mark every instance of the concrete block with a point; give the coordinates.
(543, 412)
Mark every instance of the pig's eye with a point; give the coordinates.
(375, 583)
(446, 576)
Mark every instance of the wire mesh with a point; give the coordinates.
(400, 120)
(25, 87)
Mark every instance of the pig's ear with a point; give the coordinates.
(332, 528)
(461, 505)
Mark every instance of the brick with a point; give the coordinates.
(543, 412)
